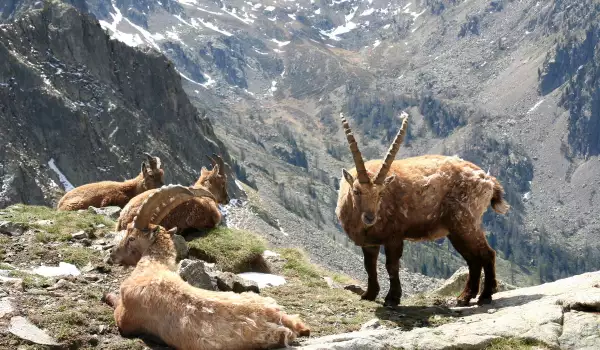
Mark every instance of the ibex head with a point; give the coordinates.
(216, 179)
(367, 188)
(152, 172)
(143, 231)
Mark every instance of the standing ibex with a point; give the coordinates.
(416, 199)
(155, 300)
(107, 193)
(197, 213)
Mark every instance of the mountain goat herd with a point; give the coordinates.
(380, 203)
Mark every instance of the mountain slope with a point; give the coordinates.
(78, 105)
(498, 83)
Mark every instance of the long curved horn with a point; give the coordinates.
(160, 203)
(393, 150)
(212, 160)
(363, 177)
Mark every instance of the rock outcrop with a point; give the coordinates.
(558, 315)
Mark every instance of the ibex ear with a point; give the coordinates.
(348, 177)
(388, 180)
(172, 231)
(215, 169)
(153, 232)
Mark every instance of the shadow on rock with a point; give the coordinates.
(408, 317)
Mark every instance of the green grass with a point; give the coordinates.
(31, 280)
(515, 344)
(335, 310)
(232, 250)
(79, 256)
(63, 223)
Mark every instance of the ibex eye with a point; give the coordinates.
(131, 239)
(356, 192)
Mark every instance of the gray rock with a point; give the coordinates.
(581, 331)
(79, 235)
(456, 283)
(6, 307)
(109, 212)
(12, 228)
(198, 273)
(536, 313)
(230, 282)
(22, 328)
(181, 247)
(355, 288)
(372, 324)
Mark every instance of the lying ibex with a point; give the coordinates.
(197, 213)
(155, 300)
(108, 193)
(423, 198)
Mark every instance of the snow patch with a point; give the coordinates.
(232, 13)
(367, 12)
(63, 269)
(535, 106)
(292, 16)
(263, 280)
(377, 43)
(273, 86)
(209, 81)
(209, 25)
(280, 43)
(318, 11)
(63, 179)
(346, 28)
(270, 8)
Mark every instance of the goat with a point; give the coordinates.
(424, 198)
(108, 193)
(155, 301)
(197, 213)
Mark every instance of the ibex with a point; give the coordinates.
(197, 213)
(419, 198)
(107, 193)
(155, 300)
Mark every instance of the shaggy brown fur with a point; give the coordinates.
(155, 300)
(423, 198)
(197, 213)
(109, 193)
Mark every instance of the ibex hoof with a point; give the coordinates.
(484, 301)
(369, 296)
(463, 302)
(392, 302)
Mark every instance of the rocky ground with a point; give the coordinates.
(561, 315)
(52, 278)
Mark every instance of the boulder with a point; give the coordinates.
(12, 228)
(547, 314)
(109, 212)
(456, 283)
(198, 273)
(230, 282)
